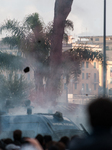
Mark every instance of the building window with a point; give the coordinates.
(86, 76)
(87, 64)
(82, 86)
(87, 87)
(75, 85)
(65, 86)
(110, 71)
(96, 39)
(82, 64)
(94, 77)
(107, 47)
(82, 75)
(95, 87)
(94, 64)
(75, 78)
(110, 80)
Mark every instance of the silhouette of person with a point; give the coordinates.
(100, 118)
(29, 107)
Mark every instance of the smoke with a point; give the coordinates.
(81, 117)
(37, 66)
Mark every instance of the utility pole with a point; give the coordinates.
(104, 52)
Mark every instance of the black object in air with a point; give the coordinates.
(27, 69)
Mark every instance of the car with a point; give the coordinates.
(41, 123)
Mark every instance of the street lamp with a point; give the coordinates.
(104, 52)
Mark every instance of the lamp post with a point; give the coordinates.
(82, 90)
(104, 52)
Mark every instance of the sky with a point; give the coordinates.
(87, 15)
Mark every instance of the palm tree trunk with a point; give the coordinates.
(62, 9)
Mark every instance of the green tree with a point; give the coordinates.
(13, 88)
(36, 43)
(9, 61)
(44, 46)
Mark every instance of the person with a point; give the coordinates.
(65, 141)
(17, 136)
(8, 141)
(28, 106)
(40, 139)
(53, 145)
(100, 118)
(47, 139)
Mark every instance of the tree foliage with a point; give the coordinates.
(42, 48)
(13, 88)
(11, 62)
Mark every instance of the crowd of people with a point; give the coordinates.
(39, 142)
(100, 118)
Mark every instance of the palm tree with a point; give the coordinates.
(11, 62)
(29, 39)
(42, 47)
(13, 88)
(34, 41)
(72, 58)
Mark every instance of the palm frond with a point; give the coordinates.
(65, 37)
(11, 62)
(13, 27)
(33, 21)
(69, 25)
(13, 41)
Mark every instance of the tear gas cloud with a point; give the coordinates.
(17, 106)
(32, 82)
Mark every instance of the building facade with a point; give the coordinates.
(90, 82)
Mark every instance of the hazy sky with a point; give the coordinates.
(87, 15)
